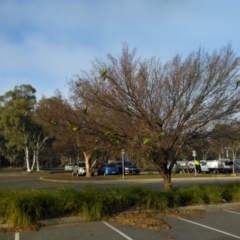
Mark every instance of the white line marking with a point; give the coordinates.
(121, 233)
(230, 211)
(16, 235)
(214, 229)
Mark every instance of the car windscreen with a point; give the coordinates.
(81, 165)
(111, 165)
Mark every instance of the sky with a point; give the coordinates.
(45, 43)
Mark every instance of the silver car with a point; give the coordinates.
(68, 167)
(79, 169)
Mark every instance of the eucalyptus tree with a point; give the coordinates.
(157, 107)
(16, 110)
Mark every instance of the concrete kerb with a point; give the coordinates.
(138, 180)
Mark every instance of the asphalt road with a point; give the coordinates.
(15, 178)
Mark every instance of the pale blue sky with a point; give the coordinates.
(46, 42)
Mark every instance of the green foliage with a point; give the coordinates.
(22, 208)
(192, 195)
(213, 194)
(155, 200)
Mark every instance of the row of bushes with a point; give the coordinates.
(23, 208)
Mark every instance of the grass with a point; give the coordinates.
(24, 208)
(68, 177)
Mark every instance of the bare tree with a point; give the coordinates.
(157, 108)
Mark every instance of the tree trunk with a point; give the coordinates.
(37, 161)
(27, 158)
(87, 162)
(167, 183)
(34, 160)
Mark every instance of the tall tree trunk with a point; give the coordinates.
(34, 160)
(27, 158)
(37, 161)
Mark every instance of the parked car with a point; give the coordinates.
(236, 165)
(108, 169)
(79, 169)
(130, 168)
(221, 165)
(68, 167)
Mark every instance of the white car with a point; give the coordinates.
(79, 169)
(68, 167)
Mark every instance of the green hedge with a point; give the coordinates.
(23, 208)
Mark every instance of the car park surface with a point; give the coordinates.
(217, 223)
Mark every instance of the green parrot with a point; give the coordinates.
(146, 141)
(76, 129)
(161, 134)
(237, 83)
(85, 108)
(54, 122)
(106, 133)
(103, 75)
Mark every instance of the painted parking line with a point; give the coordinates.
(225, 210)
(213, 229)
(116, 230)
(16, 235)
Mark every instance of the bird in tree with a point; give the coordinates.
(76, 129)
(104, 73)
(237, 83)
(106, 133)
(95, 92)
(73, 127)
(161, 134)
(54, 122)
(85, 108)
(146, 141)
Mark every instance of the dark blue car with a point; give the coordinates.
(108, 169)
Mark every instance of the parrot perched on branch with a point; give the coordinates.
(54, 122)
(85, 108)
(103, 75)
(237, 83)
(146, 141)
(106, 133)
(161, 134)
